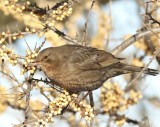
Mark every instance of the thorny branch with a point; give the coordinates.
(29, 88)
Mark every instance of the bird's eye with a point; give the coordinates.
(45, 57)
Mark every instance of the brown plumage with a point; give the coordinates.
(78, 68)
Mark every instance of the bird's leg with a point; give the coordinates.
(39, 80)
(47, 81)
(84, 97)
(91, 99)
(65, 108)
(81, 99)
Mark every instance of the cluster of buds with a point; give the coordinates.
(11, 4)
(85, 110)
(48, 16)
(55, 108)
(9, 55)
(32, 30)
(61, 10)
(134, 97)
(59, 103)
(30, 56)
(65, 100)
(72, 101)
(2, 37)
(115, 100)
(8, 2)
(40, 123)
(12, 36)
(112, 98)
(36, 31)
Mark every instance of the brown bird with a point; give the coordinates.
(78, 68)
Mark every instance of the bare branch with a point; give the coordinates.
(133, 39)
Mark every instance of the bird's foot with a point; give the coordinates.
(39, 80)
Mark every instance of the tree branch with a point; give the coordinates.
(133, 39)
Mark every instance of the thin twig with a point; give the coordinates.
(9, 76)
(39, 48)
(129, 86)
(110, 23)
(63, 35)
(84, 39)
(147, 39)
(28, 95)
(28, 45)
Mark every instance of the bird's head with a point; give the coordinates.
(46, 59)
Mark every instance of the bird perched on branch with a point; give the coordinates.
(79, 68)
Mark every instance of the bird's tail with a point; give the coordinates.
(121, 68)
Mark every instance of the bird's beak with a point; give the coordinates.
(35, 63)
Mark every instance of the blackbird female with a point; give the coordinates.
(79, 68)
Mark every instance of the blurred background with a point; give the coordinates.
(110, 22)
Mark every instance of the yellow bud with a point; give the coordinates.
(6, 2)
(14, 38)
(28, 3)
(23, 7)
(3, 33)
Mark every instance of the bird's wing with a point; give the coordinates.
(92, 58)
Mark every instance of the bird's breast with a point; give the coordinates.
(69, 77)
